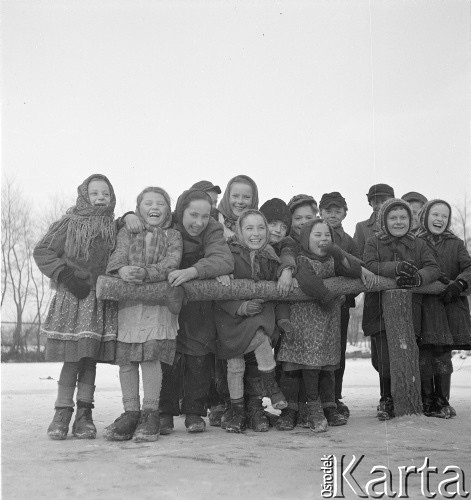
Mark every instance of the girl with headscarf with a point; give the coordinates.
(80, 329)
(146, 332)
(394, 252)
(246, 326)
(240, 194)
(446, 321)
(205, 256)
(313, 346)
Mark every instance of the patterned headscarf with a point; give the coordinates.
(85, 222)
(388, 205)
(224, 205)
(424, 230)
(264, 251)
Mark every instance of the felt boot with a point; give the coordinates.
(166, 424)
(428, 396)
(302, 417)
(315, 416)
(270, 388)
(334, 417)
(122, 429)
(287, 420)
(59, 427)
(215, 414)
(442, 385)
(227, 415)
(385, 409)
(256, 418)
(148, 427)
(83, 427)
(194, 423)
(238, 423)
(342, 408)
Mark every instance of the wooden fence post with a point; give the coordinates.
(403, 352)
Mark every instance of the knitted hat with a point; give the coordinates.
(301, 199)
(414, 196)
(334, 198)
(380, 190)
(206, 186)
(276, 209)
(392, 204)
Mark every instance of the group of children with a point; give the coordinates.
(227, 355)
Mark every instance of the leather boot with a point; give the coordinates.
(83, 427)
(256, 418)
(59, 426)
(238, 422)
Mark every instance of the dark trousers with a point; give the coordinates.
(344, 319)
(308, 385)
(218, 389)
(196, 371)
(380, 354)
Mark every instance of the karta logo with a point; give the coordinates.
(339, 478)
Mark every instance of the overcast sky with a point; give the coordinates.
(305, 97)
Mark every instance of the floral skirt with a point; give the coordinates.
(77, 329)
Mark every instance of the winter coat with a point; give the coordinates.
(365, 230)
(209, 254)
(381, 257)
(315, 339)
(448, 324)
(236, 332)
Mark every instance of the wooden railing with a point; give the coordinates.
(397, 312)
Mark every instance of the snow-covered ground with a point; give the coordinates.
(216, 464)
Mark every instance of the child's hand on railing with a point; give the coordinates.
(285, 282)
(368, 278)
(225, 279)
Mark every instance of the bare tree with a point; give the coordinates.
(17, 248)
(461, 222)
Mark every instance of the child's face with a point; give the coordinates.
(277, 231)
(153, 209)
(320, 239)
(214, 198)
(415, 206)
(254, 231)
(99, 193)
(240, 197)
(334, 215)
(196, 217)
(378, 201)
(300, 216)
(398, 222)
(438, 218)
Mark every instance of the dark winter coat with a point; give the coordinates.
(381, 257)
(448, 324)
(209, 254)
(236, 332)
(365, 230)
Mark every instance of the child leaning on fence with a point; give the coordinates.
(394, 252)
(313, 346)
(80, 329)
(146, 332)
(446, 323)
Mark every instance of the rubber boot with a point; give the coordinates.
(148, 427)
(83, 427)
(256, 418)
(59, 427)
(316, 418)
(238, 423)
(122, 429)
(270, 388)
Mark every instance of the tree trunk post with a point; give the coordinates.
(403, 352)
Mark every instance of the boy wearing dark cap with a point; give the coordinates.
(333, 209)
(416, 202)
(377, 195)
